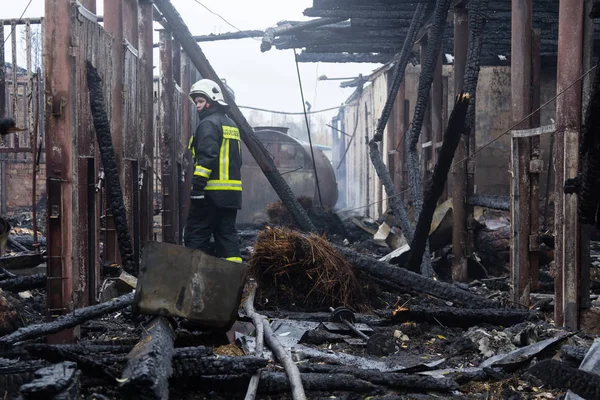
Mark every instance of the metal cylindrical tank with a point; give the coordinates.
(293, 160)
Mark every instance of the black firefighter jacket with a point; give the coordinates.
(217, 153)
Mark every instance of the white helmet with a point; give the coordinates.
(209, 89)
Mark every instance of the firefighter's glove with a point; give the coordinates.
(197, 194)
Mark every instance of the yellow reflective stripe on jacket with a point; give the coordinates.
(229, 132)
(234, 259)
(191, 148)
(224, 185)
(201, 171)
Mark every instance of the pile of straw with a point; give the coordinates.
(305, 272)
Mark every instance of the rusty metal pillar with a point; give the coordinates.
(59, 79)
(521, 107)
(170, 214)
(188, 117)
(537, 164)
(459, 176)
(568, 126)
(147, 117)
(113, 24)
(588, 63)
(436, 104)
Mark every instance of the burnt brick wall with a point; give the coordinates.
(19, 183)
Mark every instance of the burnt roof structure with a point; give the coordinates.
(374, 31)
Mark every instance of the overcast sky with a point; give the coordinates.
(265, 80)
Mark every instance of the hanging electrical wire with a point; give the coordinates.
(227, 22)
(21, 17)
(312, 153)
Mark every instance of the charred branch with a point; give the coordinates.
(562, 376)
(400, 69)
(415, 282)
(456, 127)
(260, 340)
(278, 350)
(149, 368)
(109, 162)
(71, 320)
(477, 24)
(256, 148)
(573, 354)
(24, 282)
(21, 261)
(193, 367)
(425, 82)
(464, 318)
(14, 374)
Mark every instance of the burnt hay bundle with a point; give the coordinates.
(304, 271)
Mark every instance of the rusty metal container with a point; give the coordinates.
(180, 282)
(292, 158)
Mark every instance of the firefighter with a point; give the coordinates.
(216, 192)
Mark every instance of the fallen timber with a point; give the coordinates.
(464, 318)
(389, 379)
(256, 148)
(66, 321)
(58, 381)
(561, 375)
(435, 189)
(149, 366)
(14, 374)
(24, 282)
(414, 282)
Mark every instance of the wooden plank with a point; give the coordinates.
(542, 130)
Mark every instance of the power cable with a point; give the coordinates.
(496, 138)
(289, 113)
(227, 22)
(21, 17)
(312, 153)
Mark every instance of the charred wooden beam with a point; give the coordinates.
(561, 375)
(21, 261)
(289, 29)
(400, 69)
(345, 58)
(229, 36)
(109, 162)
(256, 148)
(191, 366)
(573, 354)
(415, 282)
(464, 318)
(375, 13)
(490, 201)
(58, 381)
(14, 374)
(388, 379)
(456, 127)
(66, 321)
(425, 81)
(24, 282)
(149, 367)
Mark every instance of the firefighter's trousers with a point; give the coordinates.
(206, 219)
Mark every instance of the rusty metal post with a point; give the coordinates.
(113, 24)
(169, 156)
(521, 107)
(568, 126)
(459, 176)
(436, 104)
(588, 55)
(14, 138)
(2, 77)
(59, 73)
(188, 118)
(147, 117)
(536, 164)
